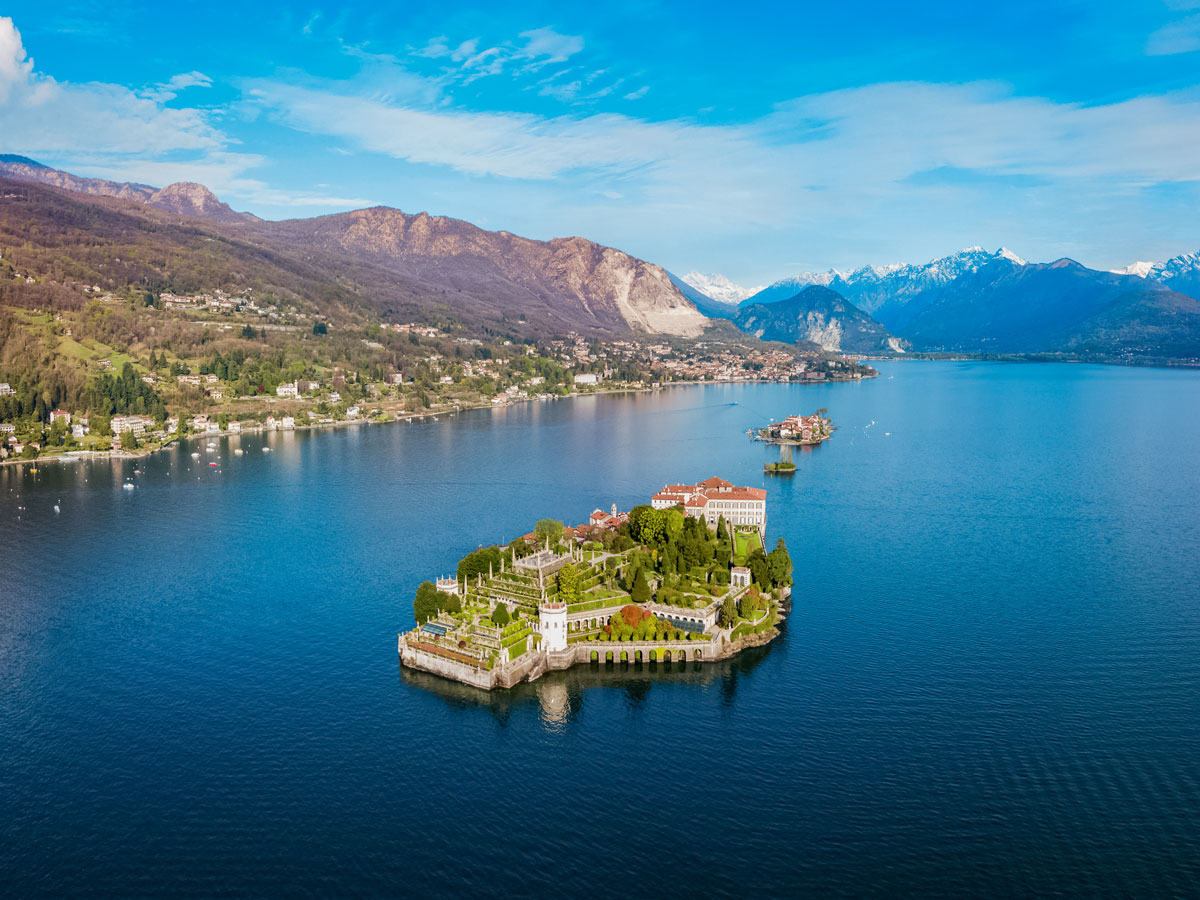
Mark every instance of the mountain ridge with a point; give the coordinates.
(565, 284)
(822, 316)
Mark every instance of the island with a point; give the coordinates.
(684, 578)
(797, 430)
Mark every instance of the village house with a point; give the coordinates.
(587, 378)
(6, 389)
(287, 423)
(78, 431)
(306, 387)
(60, 415)
(609, 520)
(287, 390)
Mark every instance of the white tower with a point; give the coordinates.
(552, 619)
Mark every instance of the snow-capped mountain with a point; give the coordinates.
(1140, 269)
(1179, 273)
(887, 292)
(719, 288)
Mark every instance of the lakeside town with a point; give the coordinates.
(138, 374)
(683, 578)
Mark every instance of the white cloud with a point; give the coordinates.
(109, 131)
(15, 69)
(639, 93)
(538, 48)
(547, 44)
(169, 91)
(41, 115)
(1181, 36)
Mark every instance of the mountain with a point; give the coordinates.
(976, 301)
(719, 288)
(1054, 307)
(714, 309)
(122, 234)
(184, 198)
(893, 294)
(819, 315)
(567, 283)
(1180, 273)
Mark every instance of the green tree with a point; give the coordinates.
(500, 615)
(320, 328)
(568, 584)
(722, 529)
(728, 613)
(779, 562)
(641, 590)
(646, 524)
(549, 530)
(426, 604)
(128, 440)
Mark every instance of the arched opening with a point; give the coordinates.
(595, 656)
(666, 656)
(624, 656)
(637, 655)
(608, 657)
(699, 655)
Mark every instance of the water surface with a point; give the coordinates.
(990, 684)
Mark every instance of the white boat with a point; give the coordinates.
(195, 456)
(129, 486)
(238, 451)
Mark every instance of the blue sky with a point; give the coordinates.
(758, 140)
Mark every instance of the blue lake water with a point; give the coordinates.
(989, 685)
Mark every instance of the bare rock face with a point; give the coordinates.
(566, 282)
(186, 198)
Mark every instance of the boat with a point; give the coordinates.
(212, 465)
(195, 456)
(238, 452)
(129, 486)
(266, 449)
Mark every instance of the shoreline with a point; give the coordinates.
(73, 456)
(509, 676)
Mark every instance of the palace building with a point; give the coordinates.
(715, 497)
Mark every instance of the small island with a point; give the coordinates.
(797, 430)
(683, 578)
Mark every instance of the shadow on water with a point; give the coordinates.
(559, 696)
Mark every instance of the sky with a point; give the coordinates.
(757, 140)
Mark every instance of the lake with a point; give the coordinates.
(989, 684)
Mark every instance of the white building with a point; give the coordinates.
(135, 424)
(587, 378)
(739, 577)
(552, 623)
(715, 497)
(6, 389)
(287, 423)
(287, 390)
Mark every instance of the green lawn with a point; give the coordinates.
(746, 542)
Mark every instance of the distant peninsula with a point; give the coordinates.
(684, 578)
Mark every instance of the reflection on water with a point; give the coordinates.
(558, 696)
